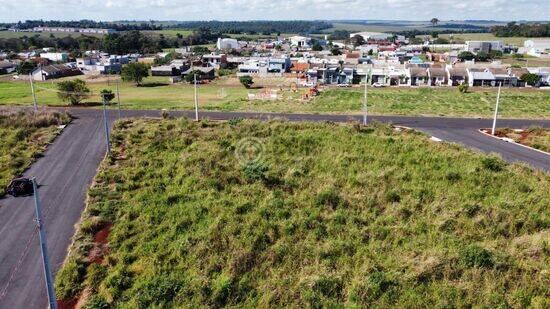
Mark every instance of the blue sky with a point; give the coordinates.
(275, 9)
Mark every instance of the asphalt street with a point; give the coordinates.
(70, 163)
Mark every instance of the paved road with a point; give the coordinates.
(69, 165)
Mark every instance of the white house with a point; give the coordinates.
(55, 57)
(300, 41)
(536, 48)
(375, 36)
(228, 43)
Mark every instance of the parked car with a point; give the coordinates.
(344, 85)
(20, 187)
(378, 85)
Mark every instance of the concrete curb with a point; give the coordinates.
(482, 131)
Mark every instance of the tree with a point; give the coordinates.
(434, 21)
(190, 77)
(246, 81)
(26, 67)
(530, 78)
(107, 95)
(317, 47)
(73, 91)
(482, 56)
(357, 40)
(466, 55)
(134, 72)
(336, 51)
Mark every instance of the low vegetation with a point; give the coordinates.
(157, 94)
(24, 138)
(536, 137)
(278, 214)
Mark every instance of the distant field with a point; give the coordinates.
(185, 215)
(230, 96)
(527, 61)
(10, 34)
(169, 32)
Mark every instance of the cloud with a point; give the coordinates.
(270, 9)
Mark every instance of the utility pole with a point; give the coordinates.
(33, 94)
(118, 99)
(106, 126)
(496, 110)
(43, 248)
(365, 102)
(196, 99)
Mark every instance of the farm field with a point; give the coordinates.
(229, 95)
(316, 215)
(24, 138)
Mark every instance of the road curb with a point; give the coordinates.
(482, 131)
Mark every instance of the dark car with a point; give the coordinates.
(20, 186)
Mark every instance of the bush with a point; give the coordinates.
(492, 164)
(255, 171)
(329, 198)
(69, 278)
(475, 256)
(107, 95)
(463, 88)
(246, 81)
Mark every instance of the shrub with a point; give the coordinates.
(475, 256)
(492, 164)
(246, 81)
(329, 198)
(69, 278)
(96, 302)
(255, 171)
(463, 88)
(73, 91)
(107, 95)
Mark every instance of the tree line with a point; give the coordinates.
(85, 23)
(527, 30)
(116, 43)
(257, 27)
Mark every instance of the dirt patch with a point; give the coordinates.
(100, 248)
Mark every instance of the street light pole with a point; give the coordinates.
(43, 248)
(33, 94)
(496, 110)
(196, 99)
(106, 125)
(365, 103)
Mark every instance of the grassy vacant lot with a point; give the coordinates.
(538, 138)
(518, 41)
(515, 103)
(24, 137)
(327, 215)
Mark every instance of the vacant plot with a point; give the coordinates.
(518, 41)
(251, 214)
(538, 138)
(225, 95)
(24, 137)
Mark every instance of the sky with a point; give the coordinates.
(109, 10)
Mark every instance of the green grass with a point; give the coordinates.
(328, 215)
(226, 96)
(518, 41)
(24, 138)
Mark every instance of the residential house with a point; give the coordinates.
(102, 63)
(418, 76)
(300, 41)
(55, 57)
(215, 60)
(543, 73)
(536, 48)
(174, 68)
(227, 44)
(7, 67)
(480, 77)
(518, 73)
(207, 73)
(372, 36)
(437, 76)
(502, 76)
(54, 71)
(456, 76)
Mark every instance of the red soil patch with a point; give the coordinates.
(67, 304)
(100, 247)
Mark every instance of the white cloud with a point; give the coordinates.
(275, 9)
